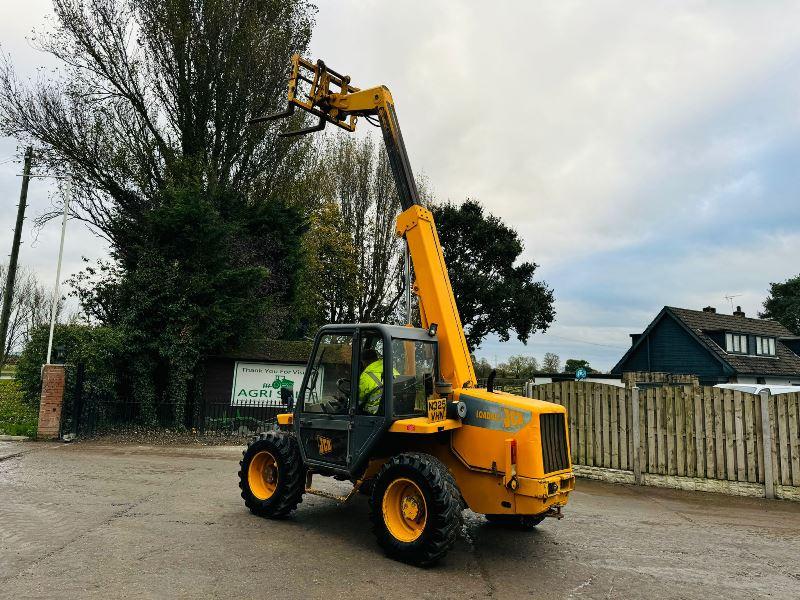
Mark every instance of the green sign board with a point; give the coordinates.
(260, 384)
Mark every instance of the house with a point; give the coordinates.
(715, 347)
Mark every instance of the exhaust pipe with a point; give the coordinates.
(490, 381)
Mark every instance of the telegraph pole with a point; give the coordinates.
(8, 294)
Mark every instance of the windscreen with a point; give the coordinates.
(414, 363)
(329, 385)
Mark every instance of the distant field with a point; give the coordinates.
(16, 417)
(8, 371)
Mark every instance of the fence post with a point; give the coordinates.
(637, 450)
(766, 435)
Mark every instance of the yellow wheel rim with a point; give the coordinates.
(404, 510)
(262, 475)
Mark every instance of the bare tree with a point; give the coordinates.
(519, 366)
(18, 317)
(150, 91)
(354, 174)
(329, 285)
(30, 308)
(482, 367)
(551, 363)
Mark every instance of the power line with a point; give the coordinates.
(559, 337)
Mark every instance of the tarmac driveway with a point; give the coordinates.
(106, 521)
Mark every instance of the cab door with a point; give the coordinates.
(371, 391)
(324, 415)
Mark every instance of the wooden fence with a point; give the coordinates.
(683, 436)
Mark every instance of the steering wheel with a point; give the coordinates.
(334, 406)
(343, 385)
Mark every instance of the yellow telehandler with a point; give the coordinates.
(395, 409)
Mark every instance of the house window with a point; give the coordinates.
(735, 342)
(765, 346)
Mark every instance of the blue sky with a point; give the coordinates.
(646, 152)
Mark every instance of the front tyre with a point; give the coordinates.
(272, 475)
(415, 509)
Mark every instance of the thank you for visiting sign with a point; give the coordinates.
(260, 384)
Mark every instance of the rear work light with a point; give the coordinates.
(510, 478)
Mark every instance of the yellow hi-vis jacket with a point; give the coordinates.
(370, 387)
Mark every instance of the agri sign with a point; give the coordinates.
(260, 384)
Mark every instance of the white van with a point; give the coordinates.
(757, 388)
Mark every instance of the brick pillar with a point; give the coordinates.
(52, 399)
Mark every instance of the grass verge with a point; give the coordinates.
(16, 417)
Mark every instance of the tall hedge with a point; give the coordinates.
(99, 349)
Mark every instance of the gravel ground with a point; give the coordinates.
(110, 520)
(164, 437)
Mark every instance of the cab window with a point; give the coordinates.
(329, 383)
(370, 381)
(414, 363)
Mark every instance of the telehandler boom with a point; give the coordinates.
(396, 410)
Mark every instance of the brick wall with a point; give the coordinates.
(53, 377)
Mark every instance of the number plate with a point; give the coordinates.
(437, 409)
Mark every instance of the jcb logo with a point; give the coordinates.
(325, 444)
(493, 415)
(512, 419)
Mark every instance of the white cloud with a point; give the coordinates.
(556, 117)
(39, 248)
(645, 151)
(631, 144)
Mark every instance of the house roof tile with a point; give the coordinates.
(785, 363)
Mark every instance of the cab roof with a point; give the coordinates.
(395, 331)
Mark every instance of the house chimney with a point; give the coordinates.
(738, 312)
(709, 309)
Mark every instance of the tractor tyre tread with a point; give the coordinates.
(291, 474)
(444, 507)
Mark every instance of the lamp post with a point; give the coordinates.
(54, 308)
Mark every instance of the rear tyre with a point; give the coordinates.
(272, 475)
(415, 509)
(523, 522)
